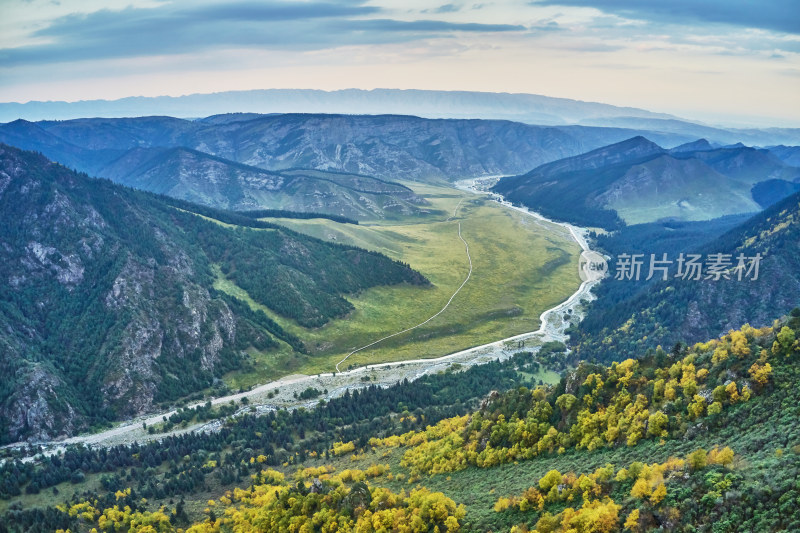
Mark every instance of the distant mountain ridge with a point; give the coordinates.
(718, 135)
(789, 154)
(241, 161)
(637, 181)
(528, 108)
(518, 107)
(694, 146)
(389, 147)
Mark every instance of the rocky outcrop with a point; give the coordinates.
(198, 330)
(37, 408)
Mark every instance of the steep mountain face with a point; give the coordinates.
(631, 149)
(695, 146)
(637, 181)
(689, 310)
(120, 134)
(389, 147)
(107, 305)
(385, 146)
(198, 177)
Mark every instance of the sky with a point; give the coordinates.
(721, 61)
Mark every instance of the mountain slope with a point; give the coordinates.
(30, 136)
(201, 178)
(690, 310)
(789, 154)
(638, 181)
(748, 165)
(769, 192)
(106, 301)
(395, 147)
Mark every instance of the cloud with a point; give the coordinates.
(168, 30)
(775, 15)
(424, 26)
(447, 8)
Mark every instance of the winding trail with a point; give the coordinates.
(442, 310)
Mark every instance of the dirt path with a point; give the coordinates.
(442, 310)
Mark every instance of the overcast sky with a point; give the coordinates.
(723, 61)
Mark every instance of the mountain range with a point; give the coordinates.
(107, 304)
(250, 161)
(637, 181)
(385, 146)
(717, 134)
(526, 108)
(789, 154)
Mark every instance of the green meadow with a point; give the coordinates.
(521, 267)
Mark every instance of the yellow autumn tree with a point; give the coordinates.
(658, 494)
(760, 374)
(632, 522)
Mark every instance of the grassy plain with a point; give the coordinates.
(521, 267)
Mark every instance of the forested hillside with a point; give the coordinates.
(703, 438)
(106, 301)
(632, 315)
(636, 181)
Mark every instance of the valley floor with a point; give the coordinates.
(521, 266)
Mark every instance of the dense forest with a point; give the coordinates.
(176, 466)
(107, 304)
(664, 441)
